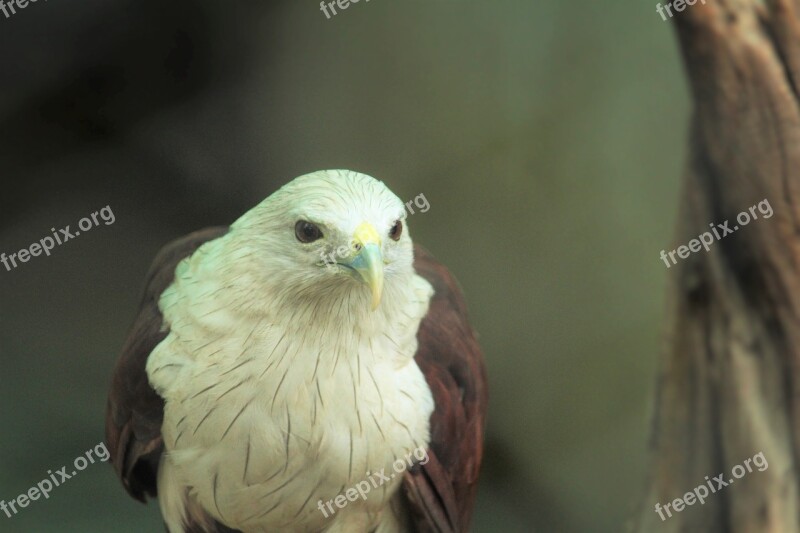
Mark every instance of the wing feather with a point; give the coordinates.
(135, 412)
(442, 492)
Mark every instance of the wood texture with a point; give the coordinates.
(728, 383)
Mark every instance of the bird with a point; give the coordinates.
(307, 368)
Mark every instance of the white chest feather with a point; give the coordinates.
(268, 415)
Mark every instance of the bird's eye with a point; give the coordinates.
(306, 231)
(396, 231)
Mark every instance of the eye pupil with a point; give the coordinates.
(307, 232)
(396, 230)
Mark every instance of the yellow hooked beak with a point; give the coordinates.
(368, 260)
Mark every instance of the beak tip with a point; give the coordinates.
(376, 298)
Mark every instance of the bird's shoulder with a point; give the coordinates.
(442, 492)
(135, 412)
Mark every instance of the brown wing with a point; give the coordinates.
(441, 493)
(135, 412)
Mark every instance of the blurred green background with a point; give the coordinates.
(548, 137)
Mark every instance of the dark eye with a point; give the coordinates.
(396, 231)
(306, 231)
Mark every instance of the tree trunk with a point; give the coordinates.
(729, 378)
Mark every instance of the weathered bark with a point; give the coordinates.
(729, 382)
